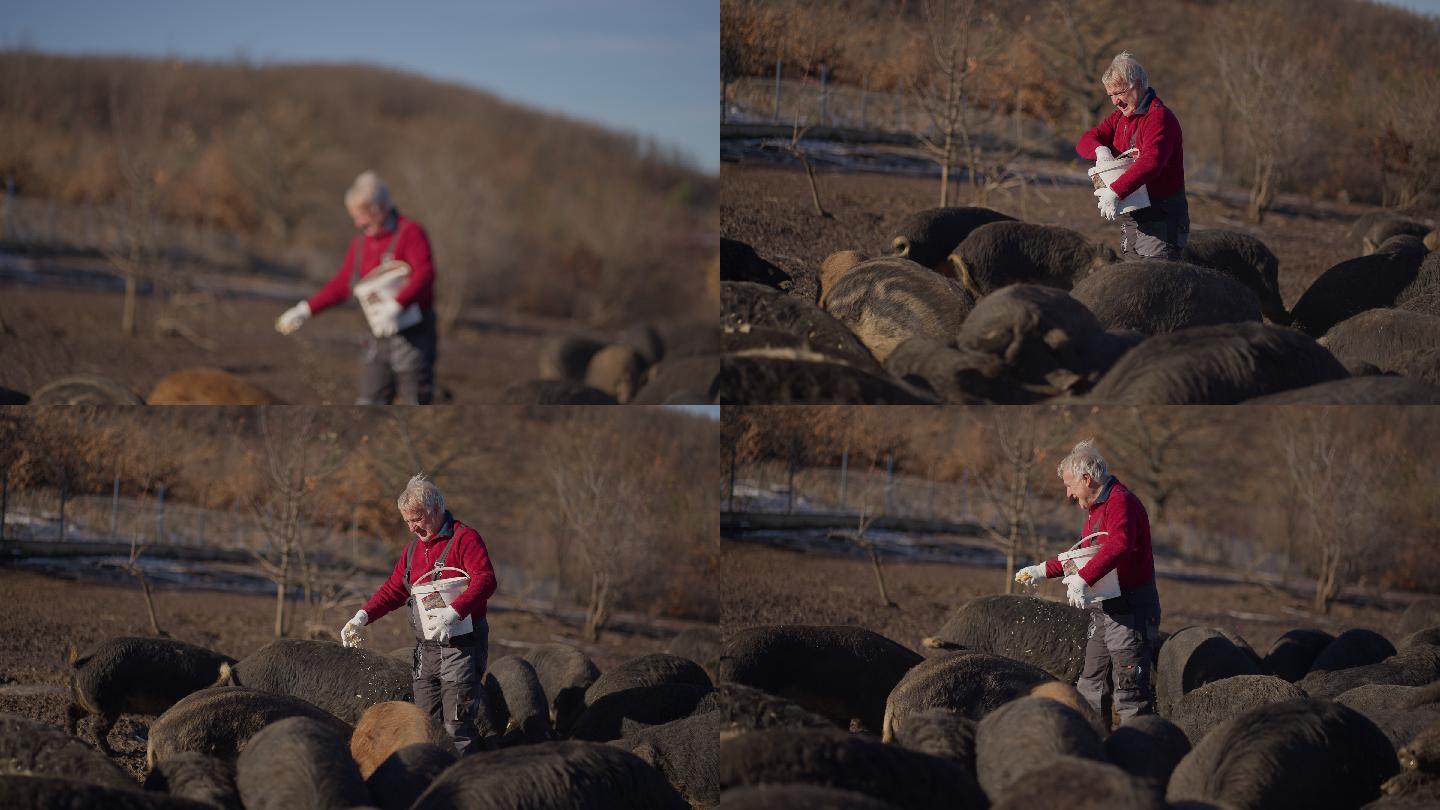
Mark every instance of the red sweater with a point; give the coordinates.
(1126, 549)
(1156, 131)
(412, 247)
(469, 553)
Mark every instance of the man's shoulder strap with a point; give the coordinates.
(394, 239)
(454, 535)
(358, 246)
(388, 255)
(409, 559)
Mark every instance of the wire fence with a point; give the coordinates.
(816, 102)
(99, 227)
(152, 520)
(775, 487)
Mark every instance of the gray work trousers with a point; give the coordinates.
(1119, 654)
(447, 684)
(1163, 228)
(400, 368)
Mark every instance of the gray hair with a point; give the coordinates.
(421, 494)
(1084, 460)
(1125, 68)
(368, 188)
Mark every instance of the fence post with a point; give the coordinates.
(824, 91)
(930, 507)
(889, 481)
(844, 469)
(775, 116)
(9, 207)
(199, 534)
(115, 507)
(160, 518)
(790, 489)
(64, 491)
(864, 97)
(4, 500)
(732, 478)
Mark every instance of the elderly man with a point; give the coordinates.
(394, 366)
(1124, 629)
(447, 668)
(1142, 120)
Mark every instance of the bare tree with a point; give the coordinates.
(298, 451)
(1017, 441)
(1409, 139)
(137, 121)
(132, 567)
(605, 500)
(1074, 42)
(470, 215)
(746, 33)
(270, 151)
(414, 440)
(960, 38)
(1330, 473)
(797, 150)
(322, 591)
(869, 546)
(1151, 449)
(1271, 90)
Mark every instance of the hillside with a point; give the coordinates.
(1332, 99)
(239, 167)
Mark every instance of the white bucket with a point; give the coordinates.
(1108, 171)
(1108, 586)
(436, 595)
(382, 286)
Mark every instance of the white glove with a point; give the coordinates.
(293, 318)
(1075, 590)
(350, 635)
(1031, 574)
(388, 310)
(1103, 153)
(1108, 199)
(448, 618)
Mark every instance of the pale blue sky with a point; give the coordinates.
(710, 411)
(1422, 6)
(644, 66)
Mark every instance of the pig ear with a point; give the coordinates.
(227, 675)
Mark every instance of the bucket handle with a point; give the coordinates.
(1094, 171)
(1083, 539)
(435, 571)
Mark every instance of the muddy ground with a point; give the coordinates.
(767, 585)
(769, 206)
(57, 332)
(44, 615)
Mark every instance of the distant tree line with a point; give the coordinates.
(1342, 495)
(526, 210)
(603, 503)
(1331, 98)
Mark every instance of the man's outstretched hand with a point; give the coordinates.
(1030, 574)
(350, 634)
(292, 318)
